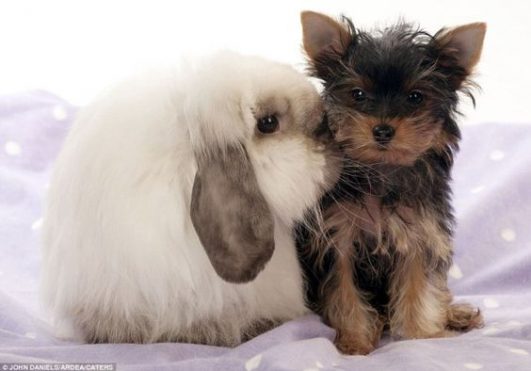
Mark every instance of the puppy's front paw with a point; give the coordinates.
(464, 317)
(353, 345)
(363, 341)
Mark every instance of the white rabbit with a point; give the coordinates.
(173, 191)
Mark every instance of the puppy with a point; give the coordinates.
(380, 255)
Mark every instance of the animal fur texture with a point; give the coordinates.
(228, 152)
(380, 254)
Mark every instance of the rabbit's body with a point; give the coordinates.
(122, 260)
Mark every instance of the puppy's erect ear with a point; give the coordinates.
(231, 216)
(466, 42)
(322, 34)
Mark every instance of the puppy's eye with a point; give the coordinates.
(267, 124)
(358, 95)
(415, 97)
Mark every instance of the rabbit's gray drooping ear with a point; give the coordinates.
(231, 216)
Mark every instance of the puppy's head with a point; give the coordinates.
(391, 94)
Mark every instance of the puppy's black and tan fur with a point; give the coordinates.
(380, 255)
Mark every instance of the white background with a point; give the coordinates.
(76, 48)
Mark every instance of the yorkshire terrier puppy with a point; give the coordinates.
(384, 246)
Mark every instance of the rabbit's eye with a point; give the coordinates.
(267, 124)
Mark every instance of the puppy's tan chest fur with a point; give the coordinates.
(397, 227)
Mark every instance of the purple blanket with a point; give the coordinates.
(492, 265)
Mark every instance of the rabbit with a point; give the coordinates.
(171, 206)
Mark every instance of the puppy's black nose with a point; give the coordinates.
(383, 133)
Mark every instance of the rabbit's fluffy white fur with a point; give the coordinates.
(121, 259)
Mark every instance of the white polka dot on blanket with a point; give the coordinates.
(496, 327)
(12, 148)
(30, 335)
(491, 331)
(253, 363)
(508, 234)
(477, 189)
(473, 366)
(319, 364)
(37, 224)
(497, 155)
(455, 272)
(59, 113)
(491, 303)
(519, 351)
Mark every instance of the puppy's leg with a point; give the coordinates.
(343, 304)
(418, 292)
(420, 302)
(357, 324)
(419, 299)
(419, 295)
